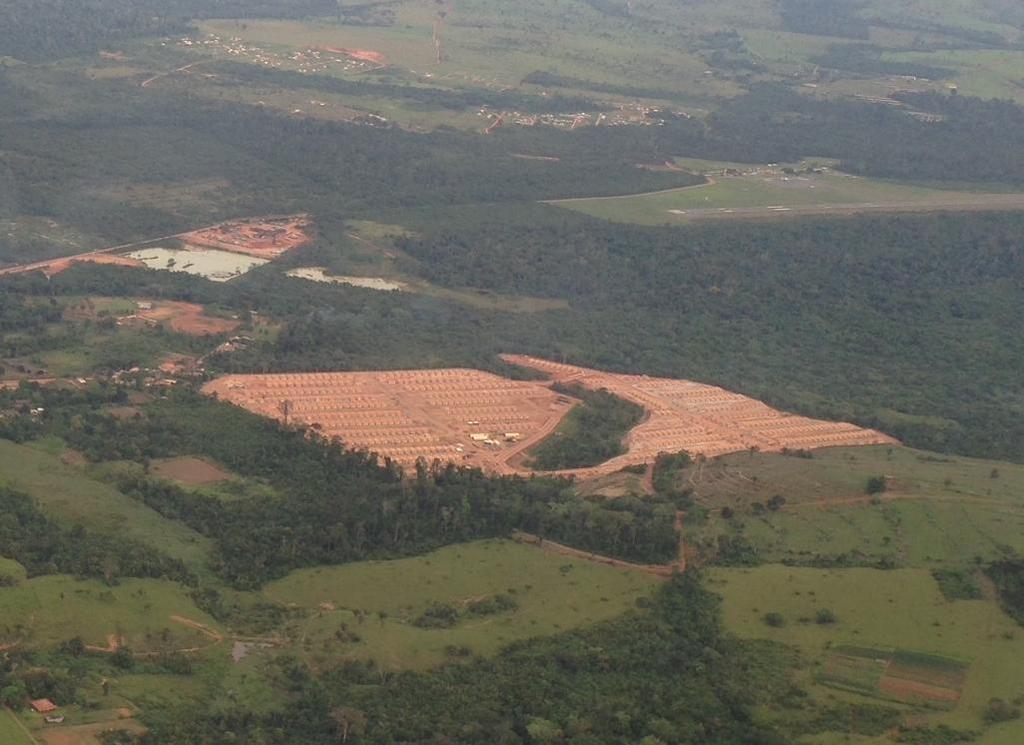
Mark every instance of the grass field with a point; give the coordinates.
(768, 189)
(70, 497)
(935, 511)
(901, 609)
(48, 610)
(11, 732)
(553, 594)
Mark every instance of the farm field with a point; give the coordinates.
(551, 593)
(761, 193)
(70, 497)
(900, 609)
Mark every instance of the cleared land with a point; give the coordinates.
(762, 192)
(262, 238)
(259, 239)
(472, 417)
(551, 593)
(884, 610)
(897, 674)
(699, 418)
(189, 471)
(463, 416)
(184, 318)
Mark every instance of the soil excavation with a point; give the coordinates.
(474, 418)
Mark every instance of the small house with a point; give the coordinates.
(43, 706)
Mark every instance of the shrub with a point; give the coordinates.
(999, 710)
(773, 619)
(438, 616)
(825, 616)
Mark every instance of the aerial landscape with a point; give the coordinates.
(583, 372)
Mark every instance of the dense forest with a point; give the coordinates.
(333, 505)
(43, 547)
(590, 434)
(886, 321)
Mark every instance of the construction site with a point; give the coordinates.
(473, 418)
(263, 238)
(453, 415)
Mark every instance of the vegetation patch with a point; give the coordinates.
(590, 434)
(907, 677)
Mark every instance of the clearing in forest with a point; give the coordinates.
(738, 191)
(479, 419)
(462, 416)
(699, 418)
(189, 471)
(184, 318)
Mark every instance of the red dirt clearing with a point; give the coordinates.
(183, 318)
(475, 418)
(700, 419)
(60, 265)
(190, 471)
(460, 416)
(912, 691)
(264, 238)
(363, 55)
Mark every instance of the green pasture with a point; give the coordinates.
(49, 610)
(70, 497)
(901, 609)
(936, 511)
(553, 594)
(11, 732)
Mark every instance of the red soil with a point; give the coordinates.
(185, 318)
(190, 471)
(363, 55)
(266, 238)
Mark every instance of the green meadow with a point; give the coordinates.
(551, 594)
(901, 609)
